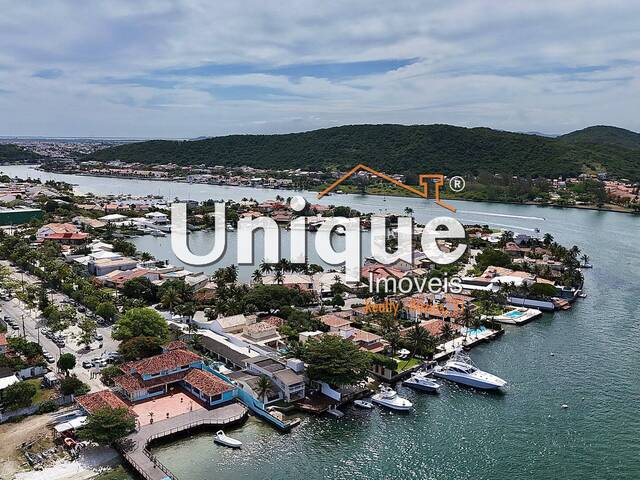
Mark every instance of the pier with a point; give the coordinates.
(134, 450)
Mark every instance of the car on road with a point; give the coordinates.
(48, 357)
(99, 337)
(15, 327)
(87, 364)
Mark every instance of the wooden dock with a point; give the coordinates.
(134, 447)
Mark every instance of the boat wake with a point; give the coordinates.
(524, 217)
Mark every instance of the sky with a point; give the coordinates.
(184, 69)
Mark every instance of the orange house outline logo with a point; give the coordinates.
(437, 180)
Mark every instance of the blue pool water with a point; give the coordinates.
(514, 314)
(476, 331)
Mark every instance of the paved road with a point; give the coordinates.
(32, 322)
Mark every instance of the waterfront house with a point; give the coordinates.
(156, 375)
(290, 383)
(291, 280)
(158, 218)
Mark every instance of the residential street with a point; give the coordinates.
(32, 322)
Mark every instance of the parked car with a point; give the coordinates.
(99, 337)
(86, 364)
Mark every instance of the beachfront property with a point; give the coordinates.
(290, 384)
(176, 367)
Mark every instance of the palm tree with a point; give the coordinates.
(418, 338)
(145, 256)
(263, 386)
(585, 259)
(265, 267)
(257, 276)
(547, 239)
(279, 277)
(171, 298)
(446, 332)
(408, 210)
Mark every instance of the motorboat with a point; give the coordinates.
(158, 233)
(387, 397)
(222, 439)
(363, 404)
(420, 381)
(460, 369)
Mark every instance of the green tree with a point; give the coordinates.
(140, 347)
(335, 360)
(72, 385)
(140, 287)
(88, 329)
(106, 425)
(18, 395)
(421, 342)
(263, 386)
(124, 247)
(106, 310)
(137, 322)
(66, 362)
(107, 375)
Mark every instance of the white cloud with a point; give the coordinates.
(547, 65)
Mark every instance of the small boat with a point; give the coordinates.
(459, 369)
(158, 233)
(387, 397)
(230, 228)
(222, 439)
(420, 381)
(363, 404)
(582, 295)
(586, 265)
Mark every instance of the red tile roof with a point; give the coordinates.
(67, 236)
(3, 340)
(164, 361)
(273, 320)
(176, 345)
(334, 321)
(206, 382)
(102, 399)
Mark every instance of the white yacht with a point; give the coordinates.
(388, 397)
(420, 381)
(459, 369)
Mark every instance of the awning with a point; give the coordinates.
(71, 424)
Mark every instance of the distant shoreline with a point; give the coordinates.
(608, 208)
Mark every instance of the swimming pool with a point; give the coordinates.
(475, 331)
(514, 314)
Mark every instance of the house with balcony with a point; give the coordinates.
(154, 376)
(290, 383)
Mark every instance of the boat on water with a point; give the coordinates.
(158, 233)
(363, 404)
(387, 397)
(461, 370)
(420, 381)
(222, 439)
(586, 265)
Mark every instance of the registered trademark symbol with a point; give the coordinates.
(456, 183)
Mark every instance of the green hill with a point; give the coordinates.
(604, 135)
(393, 148)
(13, 153)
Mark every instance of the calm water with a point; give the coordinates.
(460, 434)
